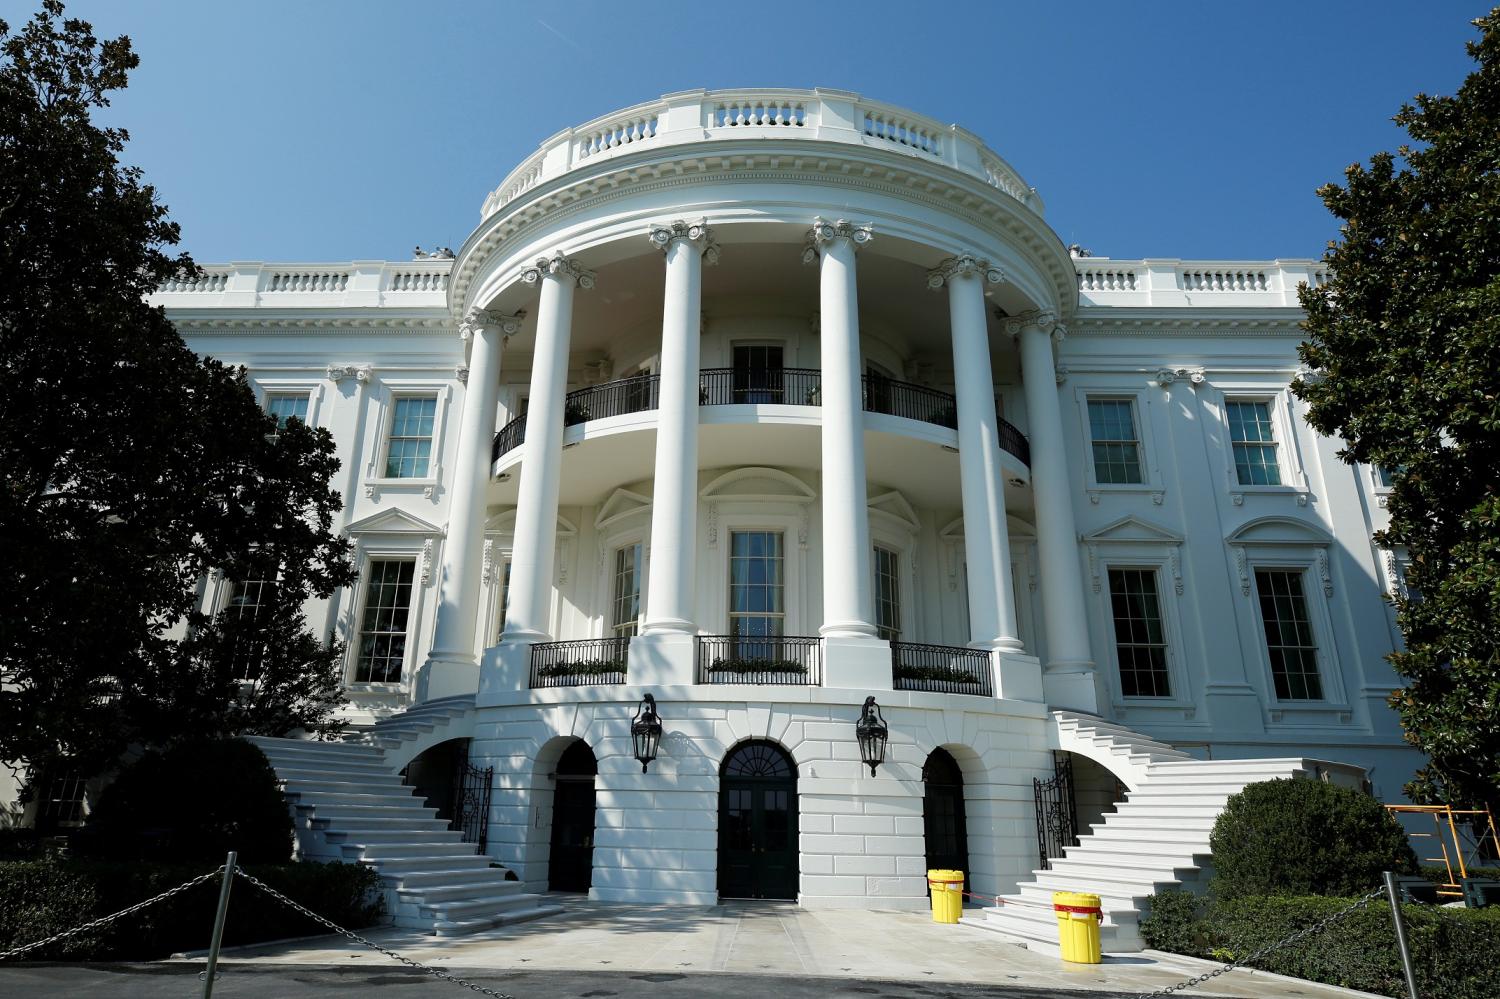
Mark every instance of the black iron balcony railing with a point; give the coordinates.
(940, 668)
(743, 386)
(765, 659)
(578, 664)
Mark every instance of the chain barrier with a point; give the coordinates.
(106, 920)
(1301, 934)
(350, 934)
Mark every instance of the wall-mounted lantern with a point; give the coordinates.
(645, 732)
(872, 733)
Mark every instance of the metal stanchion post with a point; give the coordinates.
(1395, 897)
(213, 945)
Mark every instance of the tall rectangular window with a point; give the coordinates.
(625, 619)
(504, 599)
(382, 626)
(409, 450)
(248, 603)
(1289, 636)
(887, 594)
(1140, 639)
(757, 589)
(1117, 450)
(1254, 441)
(287, 405)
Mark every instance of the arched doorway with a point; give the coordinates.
(758, 822)
(943, 824)
(571, 863)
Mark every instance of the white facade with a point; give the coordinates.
(808, 337)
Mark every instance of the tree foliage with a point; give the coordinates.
(131, 466)
(1405, 343)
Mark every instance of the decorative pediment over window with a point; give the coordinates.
(1279, 532)
(895, 511)
(505, 523)
(764, 484)
(393, 522)
(1133, 531)
(951, 537)
(621, 505)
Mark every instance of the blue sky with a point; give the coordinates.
(354, 129)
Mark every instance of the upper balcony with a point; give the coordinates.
(696, 116)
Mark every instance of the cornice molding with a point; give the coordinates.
(662, 234)
(964, 265)
(558, 266)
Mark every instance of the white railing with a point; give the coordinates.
(706, 116)
(419, 283)
(1231, 280)
(1106, 279)
(206, 282)
(307, 281)
(1102, 281)
(417, 280)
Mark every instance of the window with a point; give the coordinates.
(409, 450)
(1254, 443)
(1289, 636)
(758, 374)
(1117, 449)
(625, 619)
(887, 594)
(504, 598)
(1140, 639)
(60, 802)
(382, 627)
(248, 604)
(285, 406)
(756, 584)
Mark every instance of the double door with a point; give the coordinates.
(758, 838)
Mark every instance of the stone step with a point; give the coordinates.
(398, 823)
(379, 797)
(1132, 885)
(328, 750)
(417, 847)
(461, 890)
(357, 814)
(415, 881)
(439, 833)
(297, 760)
(386, 784)
(1123, 820)
(1185, 809)
(1104, 865)
(1267, 766)
(396, 866)
(459, 909)
(321, 773)
(454, 928)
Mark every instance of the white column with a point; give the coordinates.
(1069, 678)
(848, 605)
(526, 619)
(452, 667)
(674, 505)
(992, 604)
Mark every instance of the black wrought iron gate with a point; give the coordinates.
(471, 804)
(1056, 811)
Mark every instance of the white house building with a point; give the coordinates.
(767, 402)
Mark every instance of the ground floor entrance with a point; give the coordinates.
(571, 861)
(758, 823)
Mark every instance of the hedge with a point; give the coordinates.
(41, 897)
(1452, 948)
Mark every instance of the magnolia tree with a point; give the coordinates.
(1405, 344)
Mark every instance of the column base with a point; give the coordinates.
(1072, 688)
(859, 663)
(446, 674)
(503, 670)
(661, 660)
(1018, 677)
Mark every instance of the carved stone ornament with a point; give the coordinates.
(824, 232)
(661, 235)
(1060, 373)
(461, 372)
(427, 562)
(1174, 556)
(964, 265)
(1241, 565)
(1166, 376)
(1045, 321)
(476, 319)
(359, 372)
(559, 266)
(487, 572)
(1323, 573)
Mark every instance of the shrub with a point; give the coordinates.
(1358, 951)
(1305, 837)
(744, 666)
(196, 801)
(43, 897)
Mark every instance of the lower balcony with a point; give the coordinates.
(941, 669)
(580, 663)
(770, 659)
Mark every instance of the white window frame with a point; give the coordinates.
(1166, 604)
(410, 658)
(500, 550)
(611, 550)
(1283, 429)
(1381, 491)
(312, 387)
(383, 416)
(1153, 483)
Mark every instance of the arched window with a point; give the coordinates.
(759, 759)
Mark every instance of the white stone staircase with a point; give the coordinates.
(349, 804)
(1156, 839)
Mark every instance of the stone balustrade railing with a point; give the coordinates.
(705, 115)
(1194, 283)
(362, 283)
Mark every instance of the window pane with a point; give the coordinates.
(1290, 641)
(1254, 442)
(409, 450)
(887, 594)
(248, 603)
(1117, 452)
(756, 591)
(382, 634)
(1140, 639)
(627, 600)
(286, 405)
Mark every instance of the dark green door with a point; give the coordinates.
(571, 862)
(758, 823)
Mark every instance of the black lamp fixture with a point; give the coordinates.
(645, 731)
(872, 733)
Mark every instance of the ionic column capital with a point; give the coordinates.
(1039, 319)
(964, 265)
(823, 233)
(477, 319)
(559, 266)
(662, 234)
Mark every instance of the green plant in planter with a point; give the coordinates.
(582, 667)
(945, 673)
(575, 413)
(741, 666)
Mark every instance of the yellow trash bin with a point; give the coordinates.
(1078, 918)
(947, 890)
